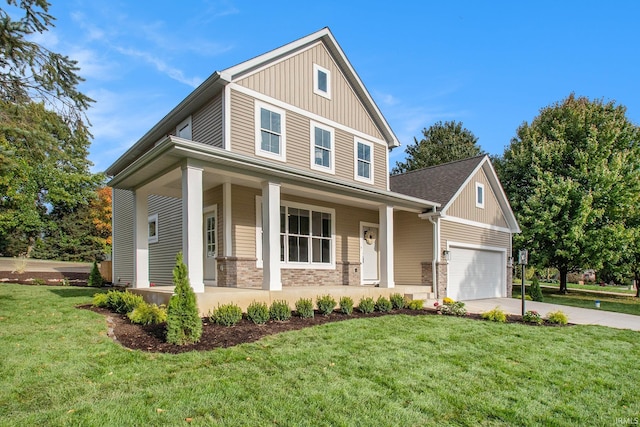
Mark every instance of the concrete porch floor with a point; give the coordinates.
(214, 296)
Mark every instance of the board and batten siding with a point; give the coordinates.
(469, 234)
(123, 234)
(465, 204)
(291, 81)
(206, 123)
(413, 245)
(243, 221)
(162, 254)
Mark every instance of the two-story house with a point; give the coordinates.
(272, 173)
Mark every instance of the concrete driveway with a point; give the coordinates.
(579, 316)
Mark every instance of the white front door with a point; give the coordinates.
(210, 245)
(369, 253)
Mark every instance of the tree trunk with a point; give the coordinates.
(563, 279)
(637, 281)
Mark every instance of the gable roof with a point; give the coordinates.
(216, 82)
(443, 183)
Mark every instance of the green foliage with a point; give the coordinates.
(557, 317)
(118, 301)
(346, 305)
(441, 143)
(148, 314)
(258, 312)
(532, 316)
(397, 301)
(326, 304)
(226, 315)
(95, 278)
(452, 308)
(415, 304)
(495, 315)
(304, 308)
(100, 300)
(534, 290)
(280, 311)
(184, 325)
(366, 305)
(38, 282)
(383, 305)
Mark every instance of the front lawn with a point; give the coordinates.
(58, 367)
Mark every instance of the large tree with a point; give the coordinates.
(441, 143)
(572, 175)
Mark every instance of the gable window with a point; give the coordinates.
(363, 161)
(322, 148)
(270, 136)
(183, 130)
(479, 195)
(321, 81)
(153, 228)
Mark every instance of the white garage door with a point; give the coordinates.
(476, 274)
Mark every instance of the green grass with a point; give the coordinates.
(575, 298)
(58, 367)
(586, 287)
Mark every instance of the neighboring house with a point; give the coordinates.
(473, 228)
(272, 173)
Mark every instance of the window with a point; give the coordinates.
(153, 228)
(183, 130)
(363, 161)
(479, 195)
(270, 136)
(321, 81)
(322, 151)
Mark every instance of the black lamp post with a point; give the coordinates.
(523, 256)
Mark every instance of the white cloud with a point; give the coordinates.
(174, 73)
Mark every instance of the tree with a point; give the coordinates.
(101, 214)
(184, 325)
(441, 143)
(95, 278)
(30, 72)
(572, 176)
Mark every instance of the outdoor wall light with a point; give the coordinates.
(446, 255)
(510, 262)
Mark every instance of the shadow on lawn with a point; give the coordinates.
(75, 292)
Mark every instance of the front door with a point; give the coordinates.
(369, 253)
(210, 245)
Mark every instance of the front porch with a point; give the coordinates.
(212, 297)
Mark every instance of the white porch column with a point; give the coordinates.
(141, 240)
(271, 279)
(386, 247)
(192, 229)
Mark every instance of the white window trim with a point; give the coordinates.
(357, 177)
(316, 89)
(283, 145)
(153, 218)
(332, 157)
(296, 265)
(183, 124)
(480, 205)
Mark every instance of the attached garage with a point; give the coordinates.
(476, 273)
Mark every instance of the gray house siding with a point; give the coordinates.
(162, 254)
(123, 224)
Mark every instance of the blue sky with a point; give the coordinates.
(490, 65)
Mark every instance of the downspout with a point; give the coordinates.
(436, 250)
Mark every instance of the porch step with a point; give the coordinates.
(420, 295)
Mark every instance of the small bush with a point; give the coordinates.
(534, 290)
(326, 304)
(148, 314)
(452, 308)
(258, 312)
(415, 304)
(100, 300)
(122, 302)
(95, 278)
(495, 315)
(226, 315)
(38, 282)
(397, 301)
(280, 311)
(557, 317)
(366, 305)
(184, 325)
(383, 305)
(346, 305)
(532, 316)
(304, 308)
(447, 300)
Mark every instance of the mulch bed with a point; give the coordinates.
(151, 338)
(53, 278)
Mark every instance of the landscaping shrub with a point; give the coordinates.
(534, 290)
(258, 312)
(366, 305)
(326, 304)
(397, 301)
(184, 325)
(452, 308)
(304, 308)
(532, 316)
(280, 310)
(100, 300)
(122, 302)
(95, 278)
(38, 282)
(557, 317)
(495, 315)
(148, 314)
(346, 305)
(415, 304)
(226, 315)
(383, 305)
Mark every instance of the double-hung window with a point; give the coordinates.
(270, 135)
(363, 161)
(322, 148)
